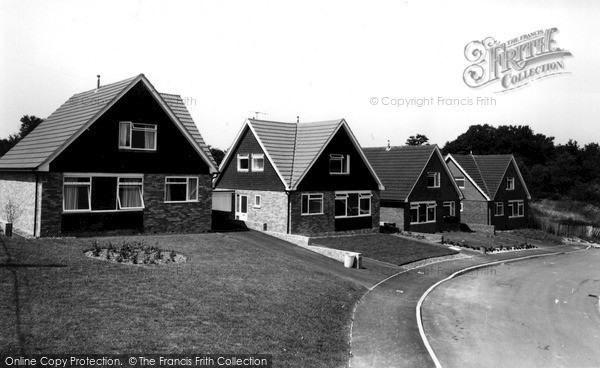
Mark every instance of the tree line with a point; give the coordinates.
(563, 171)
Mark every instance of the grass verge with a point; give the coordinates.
(229, 297)
(386, 248)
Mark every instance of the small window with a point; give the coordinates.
(450, 208)
(130, 193)
(77, 193)
(312, 204)
(258, 162)
(461, 207)
(339, 164)
(499, 209)
(517, 208)
(460, 181)
(181, 189)
(137, 136)
(257, 201)
(510, 183)
(243, 163)
(433, 180)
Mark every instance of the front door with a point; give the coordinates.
(241, 207)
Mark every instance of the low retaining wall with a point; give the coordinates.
(303, 241)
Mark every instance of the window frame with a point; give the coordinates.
(428, 205)
(509, 181)
(361, 195)
(520, 204)
(452, 206)
(88, 184)
(460, 178)
(260, 156)
(154, 128)
(437, 179)
(311, 196)
(498, 205)
(90, 177)
(140, 184)
(345, 169)
(257, 204)
(187, 184)
(242, 156)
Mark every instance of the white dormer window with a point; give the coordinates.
(137, 136)
(339, 164)
(258, 162)
(510, 183)
(243, 163)
(433, 180)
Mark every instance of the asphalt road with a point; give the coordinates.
(533, 313)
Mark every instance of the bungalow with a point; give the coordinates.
(119, 158)
(291, 178)
(420, 194)
(493, 188)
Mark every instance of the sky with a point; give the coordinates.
(275, 60)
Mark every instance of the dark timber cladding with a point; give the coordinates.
(265, 180)
(97, 148)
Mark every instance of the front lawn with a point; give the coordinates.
(386, 248)
(229, 296)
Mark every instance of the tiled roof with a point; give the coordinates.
(399, 168)
(486, 170)
(56, 131)
(293, 148)
(178, 107)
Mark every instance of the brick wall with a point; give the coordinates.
(50, 222)
(474, 212)
(19, 189)
(272, 211)
(313, 224)
(394, 215)
(161, 217)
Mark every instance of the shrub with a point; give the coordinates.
(172, 255)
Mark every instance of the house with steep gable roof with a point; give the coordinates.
(119, 158)
(299, 178)
(420, 194)
(493, 188)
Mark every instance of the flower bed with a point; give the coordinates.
(136, 253)
(489, 248)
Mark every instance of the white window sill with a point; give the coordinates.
(312, 214)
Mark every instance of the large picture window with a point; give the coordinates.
(181, 189)
(352, 204)
(77, 193)
(424, 212)
(130, 193)
(102, 192)
(339, 164)
(312, 204)
(137, 136)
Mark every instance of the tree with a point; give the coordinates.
(28, 123)
(417, 140)
(217, 154)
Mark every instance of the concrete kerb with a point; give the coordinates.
(460, 272)
(406, 268)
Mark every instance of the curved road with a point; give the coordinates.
(533, 313)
